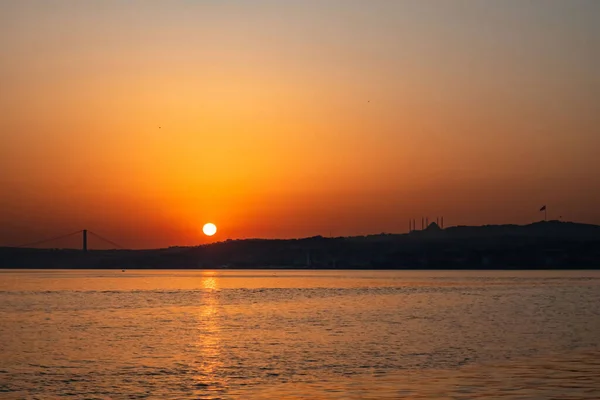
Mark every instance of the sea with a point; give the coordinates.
(299, 334)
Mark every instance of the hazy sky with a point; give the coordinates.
(141, 120)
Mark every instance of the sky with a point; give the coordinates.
(142, 120)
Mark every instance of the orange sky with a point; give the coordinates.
(288, 119)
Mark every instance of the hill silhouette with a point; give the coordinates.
(553, 244)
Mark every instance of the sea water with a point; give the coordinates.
(299, 334)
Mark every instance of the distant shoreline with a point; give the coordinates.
(550, 245)
(299, 269)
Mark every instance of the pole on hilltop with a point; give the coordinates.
(545, 210)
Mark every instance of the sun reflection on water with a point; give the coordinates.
(209, 336)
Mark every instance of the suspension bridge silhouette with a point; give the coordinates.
(84, 240)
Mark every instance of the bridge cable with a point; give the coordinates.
(106, 240)
(48, 240)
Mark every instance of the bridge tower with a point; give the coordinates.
(84, 240)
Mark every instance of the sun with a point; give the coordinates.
(209, 229)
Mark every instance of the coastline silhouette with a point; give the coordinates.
(542, 245)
